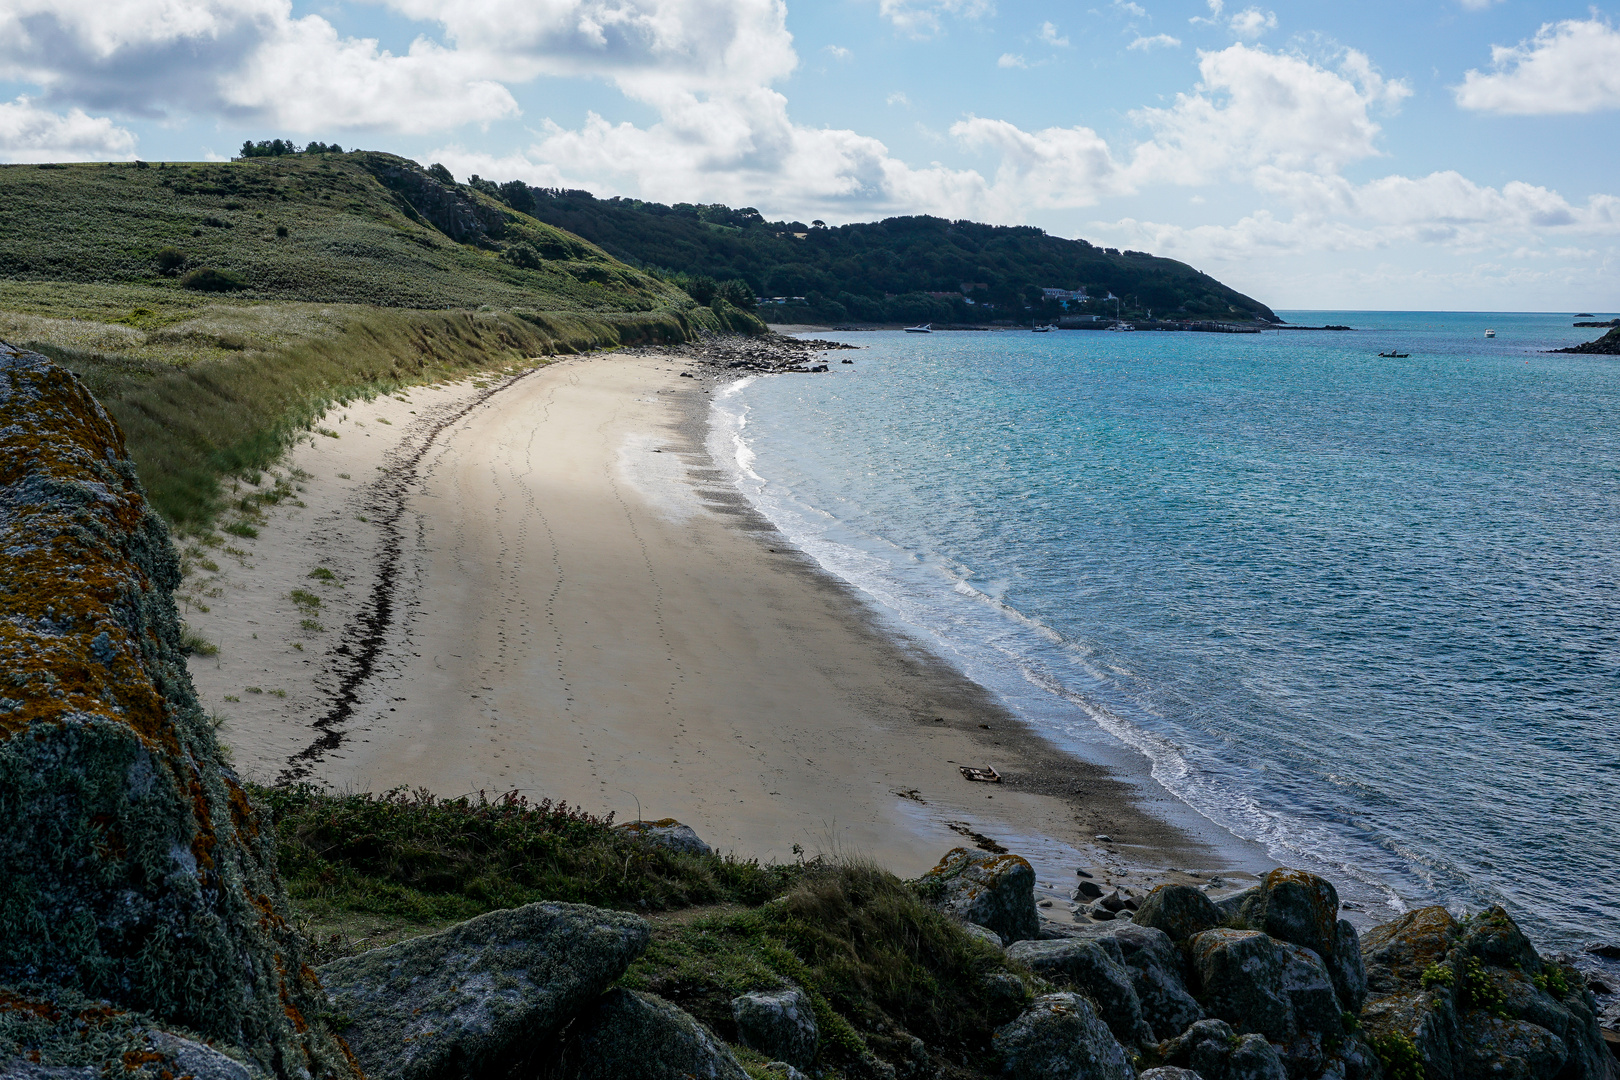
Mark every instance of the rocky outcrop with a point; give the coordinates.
(1213, 1051)
(474, 999)
(1158, 974)
(136, 868)
(1259, 984)
(997, 891)
(1179, 910)
(632, 1036)
(1096, 969)
(668, 833)
(780, 1025)
(1472, 998)
(446, 207)
(1061, 1037)
(1607, 345)
(1303, 909)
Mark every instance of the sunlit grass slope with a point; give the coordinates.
(344, 275)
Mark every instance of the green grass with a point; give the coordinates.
(415, 857)
(362, 296)
(350, 239)
(879, 963)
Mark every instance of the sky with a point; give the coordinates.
(1436, 154)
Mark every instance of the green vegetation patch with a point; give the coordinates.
(880, 964)
(413, 857)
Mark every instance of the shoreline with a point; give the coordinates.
(839, 751)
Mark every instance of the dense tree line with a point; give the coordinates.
(882, 271)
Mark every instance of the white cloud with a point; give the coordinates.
(1157, 41)
(838, 52)
(1132, 9)
(923, 17)
(240, 59)
(29, 134)
(899, 98)
(1049, 34)
(1570, 67)
(1215, 9)
(1252, 22)
(1253, 108)
(1011, 60)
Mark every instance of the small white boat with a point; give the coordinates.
(925, 328)
(1122, 327)
(1040, 329)
(1490, 333)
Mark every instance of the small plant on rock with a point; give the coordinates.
(1437, 975)
(1399, 1055)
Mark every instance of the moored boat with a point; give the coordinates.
(925, 328)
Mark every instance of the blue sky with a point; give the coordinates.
(1453, 154)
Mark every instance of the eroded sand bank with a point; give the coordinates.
(581, 608)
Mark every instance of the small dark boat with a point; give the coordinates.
(986, 775)
(1395, 355)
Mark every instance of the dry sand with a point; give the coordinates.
(544, 584)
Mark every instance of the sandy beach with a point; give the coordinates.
(543, 583)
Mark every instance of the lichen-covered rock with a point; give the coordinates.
(1096, 967)
(1303, 909)
(1158, 976)
(1474, 999)
(997, 891)
(1215, 1052)
(1179, 910)
(1282, 991)
(779, 1024)
(136, 868)
(668, 833)
(1416, 1022)
(53, 1033)
(1061, 1037)
(1505, 1049)
(1397, 953)
(985, 934)
(633, 1036)
(469, 1000)
(1168, 1072)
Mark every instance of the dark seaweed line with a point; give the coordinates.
(364, 637)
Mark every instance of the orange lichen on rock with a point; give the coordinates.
(136, 870)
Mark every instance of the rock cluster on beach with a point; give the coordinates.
(765, 354)
(146, 933)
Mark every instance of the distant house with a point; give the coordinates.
(970, 286)
(1064, 296)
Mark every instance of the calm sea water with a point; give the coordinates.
(1364, 611)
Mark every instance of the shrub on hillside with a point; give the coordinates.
(523, 255)
(170, 260)
(737, 292)
(207, 279)
(441, 174)
(700, 288)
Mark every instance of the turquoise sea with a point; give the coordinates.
(1364, 611)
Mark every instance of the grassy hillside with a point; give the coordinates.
(216, 309)
(347, 239)
(884, 271)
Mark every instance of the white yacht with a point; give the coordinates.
(1490, 333)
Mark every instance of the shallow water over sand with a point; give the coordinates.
(1365, 611)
